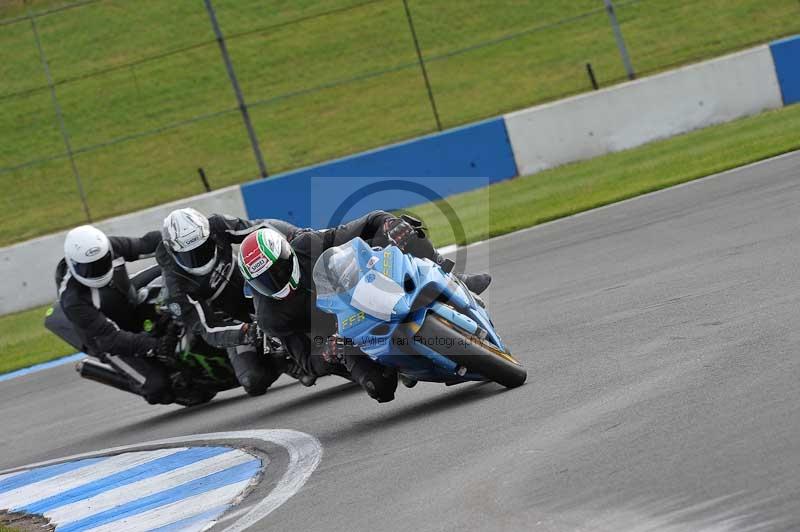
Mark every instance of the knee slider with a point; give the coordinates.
(381, 385)
(254, 383)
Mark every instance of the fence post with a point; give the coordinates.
(204, 179)
(592, 78)
(62, 126)
(212, 15)
(422, 65)
(623, 50)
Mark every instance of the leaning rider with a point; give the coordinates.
(280, 273)
(107, 312)
(206, 291)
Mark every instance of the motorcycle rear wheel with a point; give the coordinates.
(471, 352)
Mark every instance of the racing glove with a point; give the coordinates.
(334, 348)
(250, 334)
(408, 234)
(167, 345)
(164, 346)
(400, 231)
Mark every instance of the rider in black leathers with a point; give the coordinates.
(210, 301)
(310, 334)
(106, 310)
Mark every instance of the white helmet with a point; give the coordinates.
(186, 233)
(89, 256)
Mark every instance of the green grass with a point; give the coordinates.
(527, 201)
(275, 65)
(24, 341)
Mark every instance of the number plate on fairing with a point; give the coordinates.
(377, 295)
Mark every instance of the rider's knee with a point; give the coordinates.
(157, 393)
(378, 381)
(255, 383)
(382, 386)
(250, 369)
(157, 388)
(380, 392)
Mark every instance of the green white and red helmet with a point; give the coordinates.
(269, 264)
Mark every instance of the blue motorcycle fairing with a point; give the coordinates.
(373, 291)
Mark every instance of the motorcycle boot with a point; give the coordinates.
(477, 283)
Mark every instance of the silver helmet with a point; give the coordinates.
(188, 237)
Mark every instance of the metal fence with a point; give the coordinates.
(111, 105)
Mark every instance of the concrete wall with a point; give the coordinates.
(644, 110)
(27, 269)
(431, 167)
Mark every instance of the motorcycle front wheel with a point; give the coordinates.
(471, 352)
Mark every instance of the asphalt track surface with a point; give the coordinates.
(661, 338)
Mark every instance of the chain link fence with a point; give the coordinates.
(107, 106)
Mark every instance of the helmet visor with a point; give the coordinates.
(95, 269)
(278, 275)
(197, 257)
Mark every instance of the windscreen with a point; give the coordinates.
(336, 271)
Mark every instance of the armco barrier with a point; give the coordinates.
(28, 269)
(644, 110)
(446, 163)
(786, 55)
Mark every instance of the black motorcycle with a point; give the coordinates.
(197, 370)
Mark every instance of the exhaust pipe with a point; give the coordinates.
(99, 372)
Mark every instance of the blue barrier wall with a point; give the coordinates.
(388, 178)
(786, 55)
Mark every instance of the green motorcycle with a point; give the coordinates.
(197, 370)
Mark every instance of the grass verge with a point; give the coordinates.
(24, 341)
(530, 200)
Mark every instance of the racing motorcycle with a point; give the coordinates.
(410, 314)
(197, 370)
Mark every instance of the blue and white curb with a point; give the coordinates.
(142, 490)
(175, 488)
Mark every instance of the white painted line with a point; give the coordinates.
(146, 487)
(447, 250)
(41, 367)
(176, 511)
(78, 477)
(305, 454)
